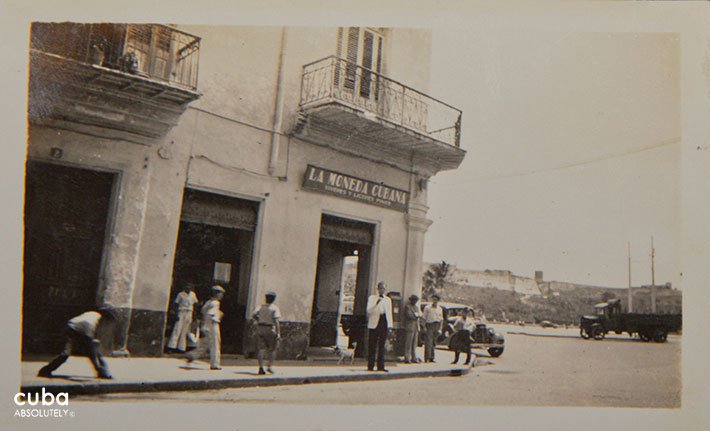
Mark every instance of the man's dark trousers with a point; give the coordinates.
(376, 340)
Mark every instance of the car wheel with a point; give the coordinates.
(598, 332)
(661, 336)
(495, 351)
(583, 333)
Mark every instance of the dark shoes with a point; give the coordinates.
(269, 370)
(44, 373)
(261, 372)
(215, 368)
(384, 370)
(105, 375)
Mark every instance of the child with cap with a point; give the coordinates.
(267, 331)
(82, 341)
(211, 338)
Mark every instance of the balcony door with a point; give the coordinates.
(361, 48)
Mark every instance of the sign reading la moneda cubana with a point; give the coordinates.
(335, 183)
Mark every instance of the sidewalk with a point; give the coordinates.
(77, 377)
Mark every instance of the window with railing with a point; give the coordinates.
(150, 50)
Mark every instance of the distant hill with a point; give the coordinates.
(504, 296)
(565, 307)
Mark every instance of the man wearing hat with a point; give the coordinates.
(433, 319)
(210, 337)
(412, 316)
(268, 332)
(379, 321)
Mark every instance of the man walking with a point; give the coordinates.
(82, 340)
(433, 318)
(210, 337)
(379, 321)
(268, 332)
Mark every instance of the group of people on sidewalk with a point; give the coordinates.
(82, 339)
(431, 320)
(268, 331)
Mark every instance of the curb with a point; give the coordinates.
(199, 385)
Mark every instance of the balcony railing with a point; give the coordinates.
(335, 79)
(149, 50)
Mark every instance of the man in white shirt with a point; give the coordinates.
(82, 341)
(185, 302)
(211, 336)
(379, 321)
(433, 319)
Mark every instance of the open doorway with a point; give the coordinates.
(215, 246)
(342, 281)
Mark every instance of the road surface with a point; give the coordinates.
(540, 367)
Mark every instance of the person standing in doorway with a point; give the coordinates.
(379, 321)
(412, 317)
(433, 318)
(210, 337)
(185, 302)
(268, 332)
(82, 341)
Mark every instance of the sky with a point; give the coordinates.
(573, 150)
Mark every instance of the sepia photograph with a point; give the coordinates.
(357, 217)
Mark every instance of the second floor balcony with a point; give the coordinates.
(137, 78)
(342, 99)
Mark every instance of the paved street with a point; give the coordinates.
(540, 367)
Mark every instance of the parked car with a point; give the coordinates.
(484, 337)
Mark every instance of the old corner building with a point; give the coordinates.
(297, 164)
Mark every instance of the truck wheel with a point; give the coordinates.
(598, 332)
(495, 351)
(583, 333)
(660, 337)
(644, 336)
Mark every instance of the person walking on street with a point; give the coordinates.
(268, 332)
(379, 321)
(185, 301)
(461, 340)
(433, 318)
(412, 317)
(210, 337)
(81, 333)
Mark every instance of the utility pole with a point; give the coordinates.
(631, 294)
(653, 278)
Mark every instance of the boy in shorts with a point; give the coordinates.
(267, 331)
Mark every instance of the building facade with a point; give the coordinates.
(298, 150)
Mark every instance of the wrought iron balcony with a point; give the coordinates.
(149, 50)
(135, 80)
(336, 93)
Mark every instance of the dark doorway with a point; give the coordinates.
(215, 244)
(342, 279)
(66, 213)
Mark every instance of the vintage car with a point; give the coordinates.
(484, 337)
